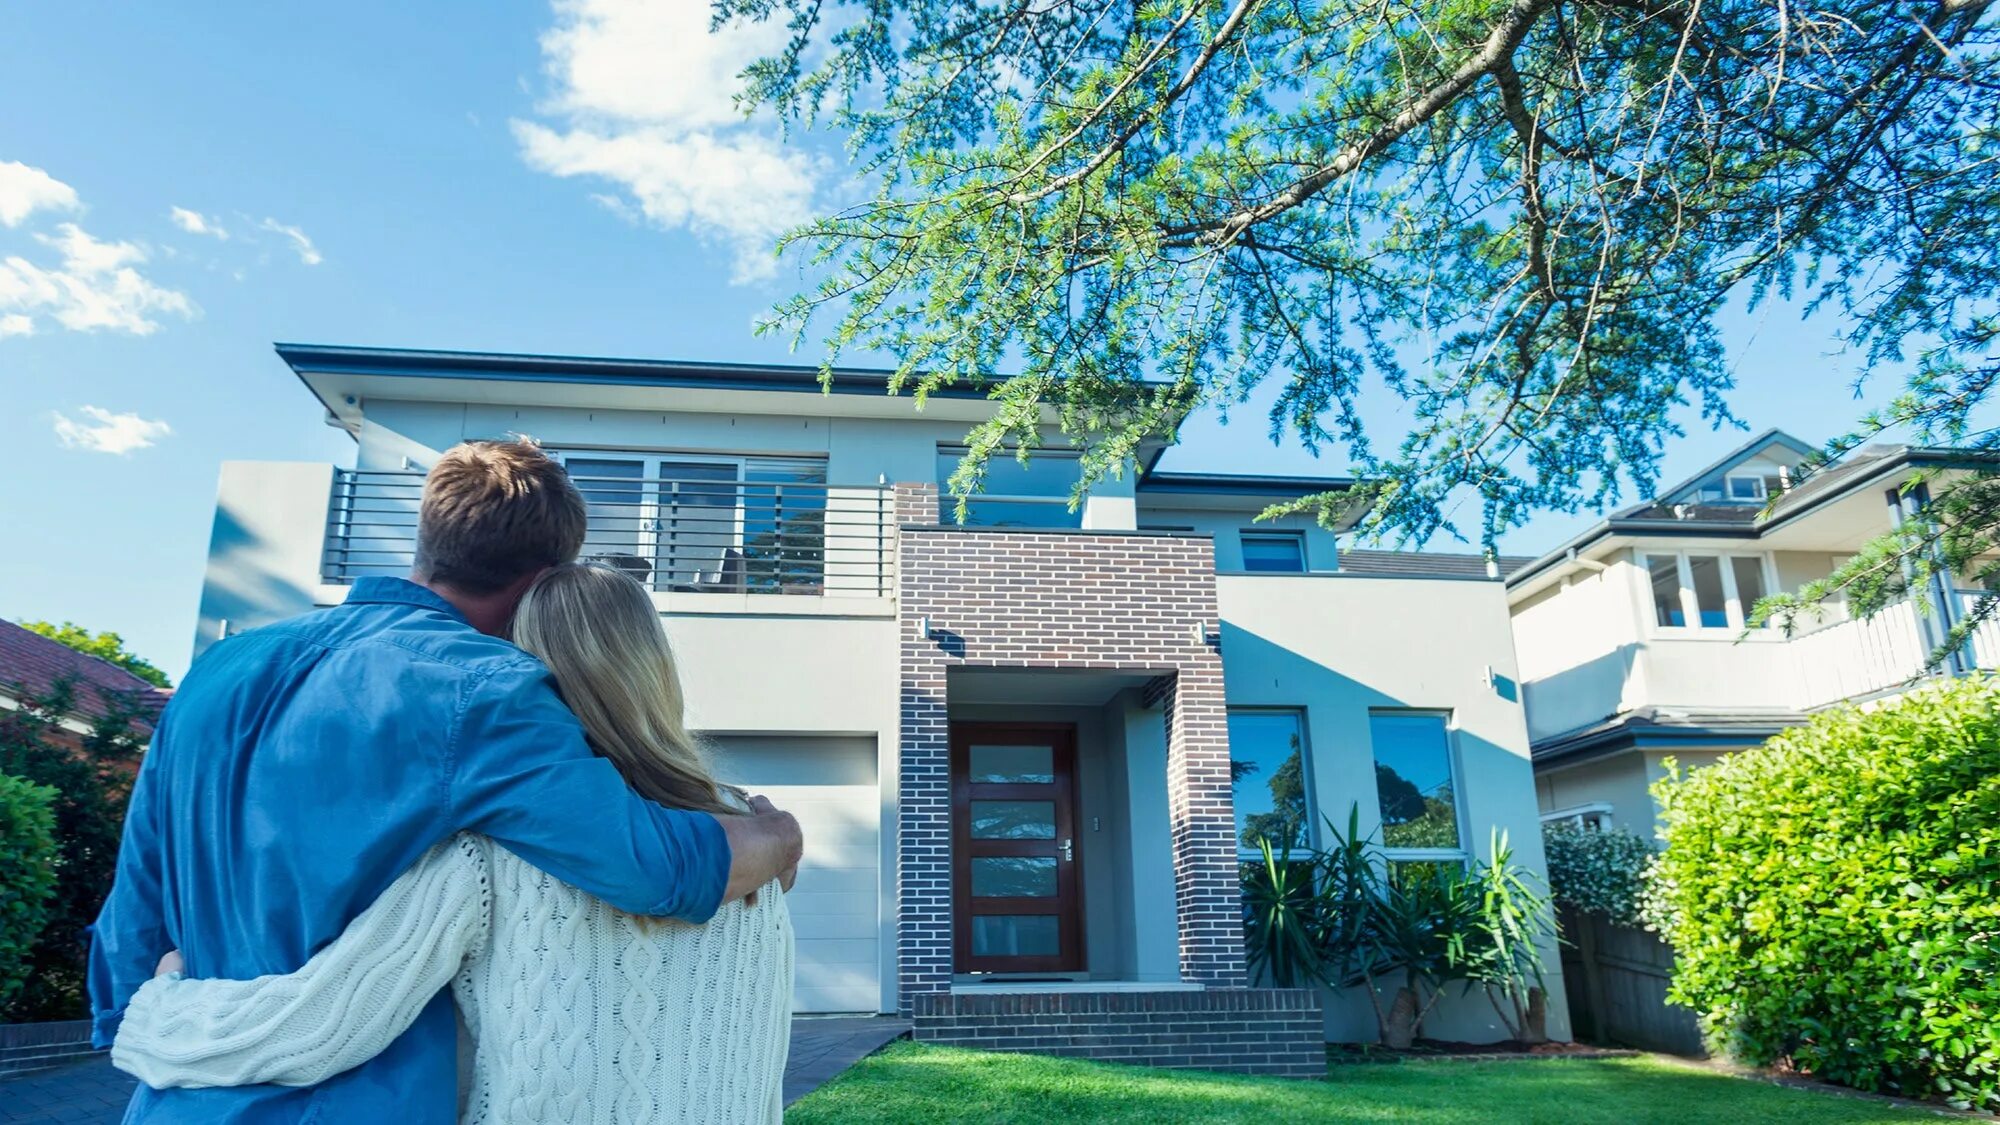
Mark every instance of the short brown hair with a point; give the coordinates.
(494, 512)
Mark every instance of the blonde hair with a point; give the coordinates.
(494, 511)
(598, 632)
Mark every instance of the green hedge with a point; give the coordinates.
(1833, 897)
(1597, 871)
(27, 874)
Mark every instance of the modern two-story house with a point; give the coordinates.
(1028, 749)
(1632, 636)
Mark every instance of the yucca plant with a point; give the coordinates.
(1504, 955)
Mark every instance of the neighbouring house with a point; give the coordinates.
(31, 666)
(1632, 636)
(1026, 749)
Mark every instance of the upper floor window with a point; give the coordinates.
(1274, 552)
(1267, 775)
(1708, 591)
(1034, 495)
(1415, 785)
(1754, 487)
(701, 523)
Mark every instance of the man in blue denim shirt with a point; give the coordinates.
(302, 767)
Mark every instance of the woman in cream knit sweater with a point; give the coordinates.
(577, 1012)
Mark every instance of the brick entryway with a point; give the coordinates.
(1109, 601)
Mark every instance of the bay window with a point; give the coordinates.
(1704, 590)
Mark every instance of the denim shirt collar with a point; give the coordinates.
(381, 590)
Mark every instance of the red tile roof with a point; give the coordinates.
(32, 663)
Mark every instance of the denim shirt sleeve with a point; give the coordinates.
(130, 935)
(521, 773)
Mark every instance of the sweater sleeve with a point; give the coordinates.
(347, 1004)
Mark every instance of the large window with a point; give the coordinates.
(1267, 773)
(705, 523)
(1707, 591)
(1274, 552)
(1416, 785)
(1015, 495)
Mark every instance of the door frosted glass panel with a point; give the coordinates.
(698, 526)
(1022, 876)
(1013, 820)
(614, 494)
(1012, 765)
(1016, 935)
(1705, 571)
(1665, 571)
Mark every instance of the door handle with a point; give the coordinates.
(1069, 851)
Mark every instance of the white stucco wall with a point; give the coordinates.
(1623, 780)
(1579, 648)
(265, 547)
(1339, 646)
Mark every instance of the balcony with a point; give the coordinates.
(718, 533)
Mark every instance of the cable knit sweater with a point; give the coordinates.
(578, 1013)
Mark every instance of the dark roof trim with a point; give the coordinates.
(1920, 457)
(1602, 742)
(987, 529)
(507, 367)
(1242, 484)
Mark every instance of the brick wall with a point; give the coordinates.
(1250, 1030)
(1093, 600)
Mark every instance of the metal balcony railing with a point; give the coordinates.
(711, 535)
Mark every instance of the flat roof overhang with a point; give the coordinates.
(343, 378)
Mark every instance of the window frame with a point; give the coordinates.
(1577, 816)
(1763, 492)
(945, 498)
(655, 508)
(1311, 827)
(1462, 854)
(1292, 536)
(1735, 613)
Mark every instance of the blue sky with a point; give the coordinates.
(494, 175)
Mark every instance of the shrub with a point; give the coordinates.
(92, 778)
(1833, 898)
(27, 874)
(1345, 916)
(1597, 872)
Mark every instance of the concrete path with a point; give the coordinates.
(92, 1093)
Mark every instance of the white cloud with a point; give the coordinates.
(303, 246)
(644, 99)
(105, 432)
(25, 190)
(194, 222)
(15, 324)
(95, 286)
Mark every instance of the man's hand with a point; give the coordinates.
(171, 963)
(763, 846)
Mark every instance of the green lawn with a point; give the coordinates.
(912, 1083)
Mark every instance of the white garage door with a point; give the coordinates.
(829, 784)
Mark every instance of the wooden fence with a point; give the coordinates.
(1616, 979)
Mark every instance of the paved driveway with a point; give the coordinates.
(93, 1093)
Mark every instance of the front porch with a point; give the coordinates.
(1067, 875)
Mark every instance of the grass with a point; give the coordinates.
(909, 1082)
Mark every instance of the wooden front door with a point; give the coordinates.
(1015, 904)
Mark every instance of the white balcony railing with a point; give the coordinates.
(675, 535)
